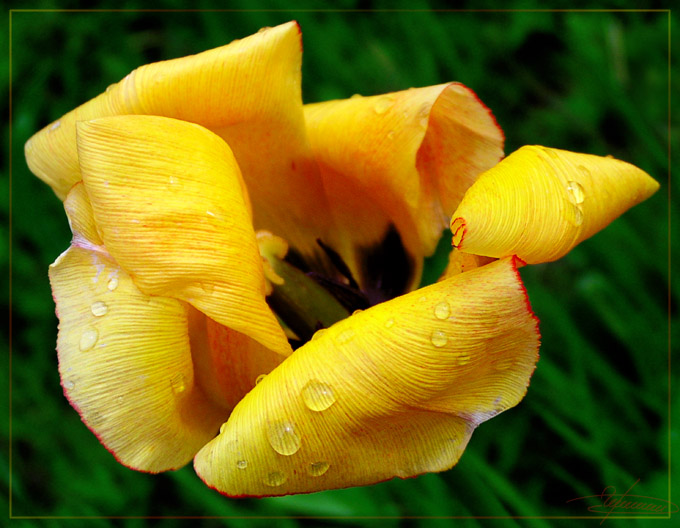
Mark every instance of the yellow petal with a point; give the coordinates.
(405, 158)
(168, 201)
(395, 390)
(249, 92)
(539, 203)
(460, 262)
(80, 216)
(126, 366)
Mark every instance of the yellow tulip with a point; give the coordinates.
(218, 224)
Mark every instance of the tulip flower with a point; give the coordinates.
(241, 288)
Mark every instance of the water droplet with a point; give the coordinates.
(68, 385)
(316, 469)
(110, 87)
(389, 323)
(223, 427)
(260, 378)
(210, 213)
(390, 134)
(439, 338)
(424, 114)
(113, 283)
(383, 104)
(318, 396)
(178, 383)
(576, 192)
(242, 464)
(55, 125)
(345, 336)
(263, 29)
(99, 308)
(88, 339)
(577, 215)
(355, 312)
(319, 333)
(356, 96)
(283, 438)
(442, 310)
(275, 478)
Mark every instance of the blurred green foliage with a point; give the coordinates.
(597, 411)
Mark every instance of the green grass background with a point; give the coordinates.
(597, 410)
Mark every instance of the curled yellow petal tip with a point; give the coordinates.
(539, 203)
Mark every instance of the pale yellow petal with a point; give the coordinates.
(404, 158)
(80, 216)
(125, 364)
(460, 262)
(393, 391)
(539, 203)
(168, 201)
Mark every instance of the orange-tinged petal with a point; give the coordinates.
(125, 364)
(227, 363)
(539, 203)
(168, 200)
(460, 262)
(395, 390)
(405, 157)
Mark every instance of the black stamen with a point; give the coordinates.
(339, 264)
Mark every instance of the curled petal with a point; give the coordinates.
(406, 157)
(125, 364)
(80, 216)
(168, 200)
(539, 203)
(249, 93)
(393, 391)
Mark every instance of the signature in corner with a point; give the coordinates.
(611, 503)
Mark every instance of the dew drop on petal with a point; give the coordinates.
(439, 338)
(88, 339)
(383, 104)
(424, 114)
(99, 308)
(283, 438)
(242, 464)
(178, 383)
(55, 125)
(576, 217)
(442, 310)
(318, 396)
(389, 323)
(318, 334)
(113, 283)
(68, 385)
(275, 478)
(316, 469)
(222, 427)
(576, 192)
(260, 378)
(355, 312)
(390, 134)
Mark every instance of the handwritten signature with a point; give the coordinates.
(611, 503)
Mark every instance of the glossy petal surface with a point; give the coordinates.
(168, 200)
(539, 203)
(395, 390)
(125, 364)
